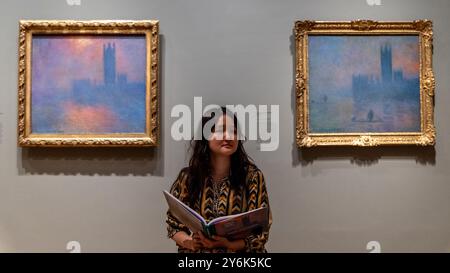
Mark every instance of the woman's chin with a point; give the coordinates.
(227, 151)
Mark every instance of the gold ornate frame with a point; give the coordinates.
(422, 28)
(149, 28)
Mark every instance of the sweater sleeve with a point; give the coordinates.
(257, 198)
(177, 189)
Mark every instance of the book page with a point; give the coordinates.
(184, 213)
(228, 217)
(241, 225)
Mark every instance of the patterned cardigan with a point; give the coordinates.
(250, 196)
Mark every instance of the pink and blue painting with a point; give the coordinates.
(364, 84)
(88, 84)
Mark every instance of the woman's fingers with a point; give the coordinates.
(219, 238)
(201, 236)
(197, 245)
(201, 240)
(195, 236)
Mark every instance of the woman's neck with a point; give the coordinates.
(220, 166)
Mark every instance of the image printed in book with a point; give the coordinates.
(233, 227)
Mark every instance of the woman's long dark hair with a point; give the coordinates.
(200, 163)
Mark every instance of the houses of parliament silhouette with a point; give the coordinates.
(114, 85)
(388, 88)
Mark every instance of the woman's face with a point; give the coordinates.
(224, 142)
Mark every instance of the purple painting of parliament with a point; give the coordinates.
(363, 84)
(88, 84)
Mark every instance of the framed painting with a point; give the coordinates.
(88, 83)
(364, 83)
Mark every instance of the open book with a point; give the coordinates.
(233, 227)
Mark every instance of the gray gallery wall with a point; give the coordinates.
(228, 52)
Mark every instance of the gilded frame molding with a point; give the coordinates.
(149, 28)
(422, 28)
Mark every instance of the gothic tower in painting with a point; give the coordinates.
(386, 63)
(109, 64)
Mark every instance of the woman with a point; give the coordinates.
(221, 180)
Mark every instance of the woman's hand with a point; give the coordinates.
(192, 244)
(184, 240)
(219, 242)
(215, 242)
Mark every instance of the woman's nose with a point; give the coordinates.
(228, 136)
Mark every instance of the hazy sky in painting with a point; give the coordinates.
(89, 106)
(334, 59)
(59, 60)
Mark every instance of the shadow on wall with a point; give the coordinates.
(122, 161)
(1, 129)
(361, 156)
(1, 132)
(91, 161)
